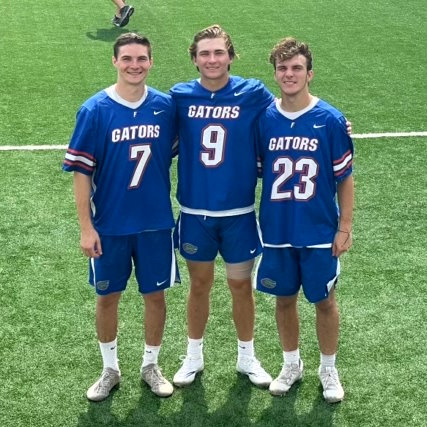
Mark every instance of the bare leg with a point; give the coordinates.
(119, 4)
(154, 317)
(107, 316)
(327, 324)
(288, 322)
(243, 307)
(201, 278)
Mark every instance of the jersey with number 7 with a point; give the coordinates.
(128, 152)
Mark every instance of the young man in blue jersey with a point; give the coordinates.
(217, 175)
(306, 158)
(120, 153)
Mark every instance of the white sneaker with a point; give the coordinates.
(251, 367)
(153, 376)
(101, 389)
(187, 372)
(290, 374)
(332, 388)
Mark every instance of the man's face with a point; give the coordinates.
(132, 64)
(292, 75)
(212, 59)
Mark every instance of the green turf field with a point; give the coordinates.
(370, 62)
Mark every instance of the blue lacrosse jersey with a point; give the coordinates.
(217, 170)
(303, 156)
(128, 153)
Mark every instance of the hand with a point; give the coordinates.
(349, 128)
(90, 243)
(342, 242)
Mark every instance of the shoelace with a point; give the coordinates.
(156, 376)
(329, 380)
(104, 383)
(289, 373)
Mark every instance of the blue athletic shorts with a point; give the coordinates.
(282, 271)
(153, 256)
(200, 238)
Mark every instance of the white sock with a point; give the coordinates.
(151, 355)
(245, 348)
(195, 348)
(327, 359)
(109, 354)
(291, 356)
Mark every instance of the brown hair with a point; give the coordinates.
(212, 32)
(130, 38)
(289, 47)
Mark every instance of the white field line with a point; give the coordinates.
(354, 136)
(387, 135)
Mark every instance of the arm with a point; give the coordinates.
(90, 242)
(343, 238)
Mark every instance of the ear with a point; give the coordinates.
(310, 75)
(114, 60)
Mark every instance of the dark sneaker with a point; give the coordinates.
(116, 21)
(125, 14)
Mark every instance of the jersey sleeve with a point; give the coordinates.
(80, 155)
(342, 149)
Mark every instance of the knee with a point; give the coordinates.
(155, 300)
(328, 305)
(200, 287)
(286, 303)
(110, 301)
(241, 288)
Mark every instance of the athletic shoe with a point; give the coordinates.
(101, 389)
(125, 14)
(116, 21)
(152, 375)
(251, 367)
(187, 372)
(289, 375)
(332, 388)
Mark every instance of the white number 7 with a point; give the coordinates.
(142, 153)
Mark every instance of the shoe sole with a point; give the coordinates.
(115, 387)
(260, 385)
(282, 393)
(155, 392)
(127, 17)
(185, 383)
(333, 400)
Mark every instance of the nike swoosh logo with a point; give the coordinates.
(318, 126)
(158, 112)
(161, 283)
(239, 93)
(252, 251)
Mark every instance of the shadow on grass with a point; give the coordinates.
(108, 34)
(282, 411)
(194, 411)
